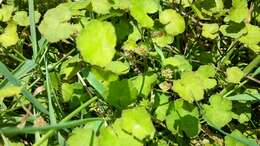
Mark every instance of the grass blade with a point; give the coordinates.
(244, 97)
(4, 71)
(93, 81)
(32, 28)
(32, 130)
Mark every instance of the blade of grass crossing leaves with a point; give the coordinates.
(4, 71)
(21, 71)
(68, 117)
(245, 97)
(242, 140)
(32, 28)
(160, 53)
(94, 82)
(47, 127)
(51, 110)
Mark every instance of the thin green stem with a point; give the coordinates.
(68, 117)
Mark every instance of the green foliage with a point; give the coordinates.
(55, 27)
(76, 137)
(174, 22)
(210, 30)
(191, 86)
(9, 91)
(140, 10)
(144, 83)
(135, 72)
(6, 12)
(183, 117)
(218, 113)
(178, 62)
(98, 50)
(126, 96)
(10, 36)
(239, 10)
(21, 18)
(234, 75)
(137, 121)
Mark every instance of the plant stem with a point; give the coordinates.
(68, 117)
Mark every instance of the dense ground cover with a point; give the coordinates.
(130, 72)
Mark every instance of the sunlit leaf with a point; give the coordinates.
(70, 67)
(101, 6)
(218, 112)
(234, 74)
(239, 10)
(55, 27)
(118, 67)
(140, 10)
(6, 12)
(137, 121)
(10, 36)
(229, 141)
(191, 86)
(76, 137)
(21, 18)
(174, 22)
(96, 43)
(9, 91)
(179, 62)
(144, 83)
(210, 30)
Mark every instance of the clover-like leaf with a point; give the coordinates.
(126, 96)
(183, 117)
(144, 83)
(21, 18)
(6, 12)
(174, 22)
(96, 43)
(118, 67)
(137, 121)
(55, 27)
(252, 38)
(239, 10)
(191, 86)
(179, 62)
(210, 30)
(10, 36)
(140, 10)
(234, 74)
(101, 6)
(218, 113)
